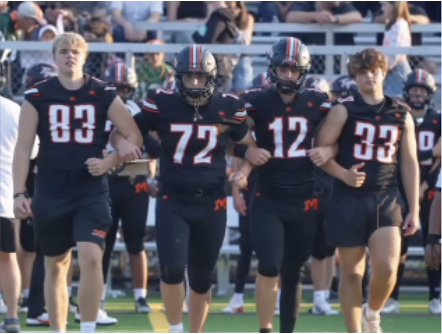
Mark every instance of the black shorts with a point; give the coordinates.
(7, 236)
(190, 228)
(320, 249)
(282, 226)
(26, 235)
(130, 201)
(70, 207)
(244, 225)
(352, 217)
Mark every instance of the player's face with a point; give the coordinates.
(418, 95)
(370, 80)
(287, 73)
(195, 80)
(70, 59)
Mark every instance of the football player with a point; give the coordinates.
(370, 129)
(419, 91)
(432, 250)
(283, 206)
(343, 87)
(194, 125)
(71, 199)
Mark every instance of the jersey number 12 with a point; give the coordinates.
(60, 123)
(299, 124)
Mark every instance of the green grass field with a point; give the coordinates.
(414, 318)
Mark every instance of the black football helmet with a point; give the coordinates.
(419, 78)
(195, 59)
(122, 77)
(260, 81)
(343, 87)
(289, 52)
(315, 82)
(40, 72)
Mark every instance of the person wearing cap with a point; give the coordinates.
(29, 18)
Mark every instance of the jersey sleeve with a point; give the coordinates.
(238, 131)
(249, 102)
(147, 117)
(33, 95)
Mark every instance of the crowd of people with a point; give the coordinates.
(180, 105)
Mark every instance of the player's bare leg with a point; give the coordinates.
(385, 247)
(56, 296)
(198, 309)
(25, 261)
(10, 282)
(352, 261)
(139, 265)
(91, 284)
(173, 298)
(266, 295)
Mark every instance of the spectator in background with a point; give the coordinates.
(219, 29)
(126, 13)
(398, 34)
(243, 72)
(186, 11)
(153, 72)
(364, 7)
(274, 11)
(324, 12)
(7, 30)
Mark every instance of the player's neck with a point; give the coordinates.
(417, 113)
(74, 82)
(373, 98)
(287, 98)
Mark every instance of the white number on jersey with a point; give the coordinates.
(204, 132)
(299, 124)
(426, 143)
(366, 150)
(60, 123)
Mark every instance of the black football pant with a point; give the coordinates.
(283, 225)
(129, 203)
(36, 301)
(245, 245)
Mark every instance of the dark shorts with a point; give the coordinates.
(7, 236)
(282, 229)
(70, 207)
(27, 236)
(320, 249)
(190, 228)
(352, 217)
(130, 201)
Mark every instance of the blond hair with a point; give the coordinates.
(69, 39)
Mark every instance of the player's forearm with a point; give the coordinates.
(410, 180)
(116, 138)
(334, 169)
(435, 215)
(20, 169)
(246, 168)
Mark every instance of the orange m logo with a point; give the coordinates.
(220, 203)
(311, 203)
(142, 186)
(431, 194)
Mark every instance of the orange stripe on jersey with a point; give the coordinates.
(150, 110)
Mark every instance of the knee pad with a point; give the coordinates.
(200, 281)
(271, 270)
(135, 246)
(172, 274)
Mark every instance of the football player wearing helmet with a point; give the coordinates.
(343, 87)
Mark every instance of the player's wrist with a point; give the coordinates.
(240, 150)
(21, 194)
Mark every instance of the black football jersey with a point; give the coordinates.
(287, 131)
(71, 124)
(428, 132)
(193, 145)
(372, 135)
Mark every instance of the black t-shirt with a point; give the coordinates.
(192, 9)
(319, 38)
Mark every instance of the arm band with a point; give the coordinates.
(433, 239)
(240, 150)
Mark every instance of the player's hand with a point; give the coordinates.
(432, 256)
(257, 156)
(355, 178)
(22, 207)
(239, 202)
(97, 167)
(411, 224)
(239, 179)
(320, 155)
(128, 151)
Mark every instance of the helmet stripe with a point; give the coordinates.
(198, 58)
(424, 74)
(123, 72)
(295, 51)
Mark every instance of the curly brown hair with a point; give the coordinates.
(367, 59)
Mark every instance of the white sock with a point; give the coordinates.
(327, 295)
(87, 327)
(140, 293)
(69, 291)
(238, 297)
(319, 297)
(25, 293)
(371, 315)
(103, 295)
(177, 328)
